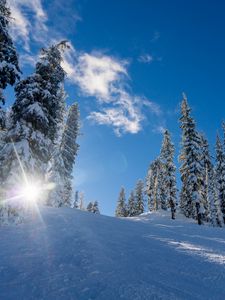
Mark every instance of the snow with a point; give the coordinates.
(70, 254)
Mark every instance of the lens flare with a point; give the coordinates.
(31, 192)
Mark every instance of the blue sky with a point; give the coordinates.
(128, 65)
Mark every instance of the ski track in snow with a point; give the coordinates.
(71, 254)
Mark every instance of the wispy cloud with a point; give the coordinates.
(106, 78)
(152, 106)
(124, 115)
(156, 36)
(145, 58)
(98, 74)
(29, 21)
(159, 129)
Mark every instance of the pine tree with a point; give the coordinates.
(56, 168)
(32, 132)
(2, 119)
(150, 184)
(168, 177)
(131, 207)
(121, 204)
(81, 201)
(76, 200)
(9, 67)
(139, 197)
(220, 175)
(191, 169)
(55, 175)
(153, 182)
(69, 149)
(216, 217)
(95, 208)
(208, 175)
(90, 207)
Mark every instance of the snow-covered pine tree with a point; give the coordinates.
(69, 149)
(95, 208)
(76, 200)
(153, 184)
(121, 204)
(81, 201)
(162, 173)
(216, 217)
(89, 207)
(9, 67)
(2, 119)
(2, 127)
(168, 178)
(207, 176)
(220, 175)
(56, 168)
(33, 127)
(210, 193)
(139, 197)
(191, 169)
(131, 206)
(150, 185)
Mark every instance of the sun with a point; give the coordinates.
(31, 192)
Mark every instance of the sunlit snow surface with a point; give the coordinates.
(72, 254)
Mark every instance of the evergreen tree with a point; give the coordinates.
(207, 177)
(95, 208)
(69, 149)
(220, 175)
(55, 175)
(2, 119)
(90, 207)
(139, 196)
(153, 182)
(35, 113)
(215, 209)
(150, 180)
(121, 204)
(81, 201)
(56, 169)
(2, 127)
(76, 200)
(168, 177)
(191, 168)
(131, 207)
(9, 67)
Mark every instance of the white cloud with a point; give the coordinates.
(105, 78)
(154, 107)
(145, 58)
(118, 119)
(97, 74)
(125, 115)
(159, 129)
(28, 21)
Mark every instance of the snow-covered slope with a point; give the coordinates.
(77, 255)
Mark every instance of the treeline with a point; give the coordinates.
(38, 133)
(79, 203)
(202, 195)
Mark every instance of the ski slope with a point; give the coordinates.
(70, 254)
